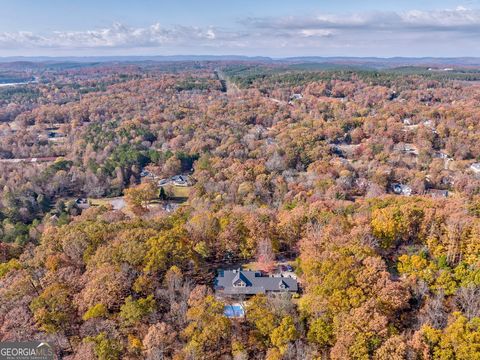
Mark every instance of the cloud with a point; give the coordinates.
(459, 19)
(444, 32)
(116, 36)
(315, 32)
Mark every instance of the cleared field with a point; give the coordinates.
(117, 203)
(180, 192)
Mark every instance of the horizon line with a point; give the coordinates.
(206, 57)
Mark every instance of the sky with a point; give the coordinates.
(276, 28)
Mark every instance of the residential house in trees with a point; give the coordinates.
(248, 282)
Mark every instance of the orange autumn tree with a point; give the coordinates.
(138, 197)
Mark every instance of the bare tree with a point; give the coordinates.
(160, 341)
(468, 301)
(265, 255)
(299, 350)
(434, 312)
(276, 162)
(281, 304)
(455, 225)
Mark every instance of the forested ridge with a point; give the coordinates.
(365, 181)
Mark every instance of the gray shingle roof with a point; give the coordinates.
(252, 282)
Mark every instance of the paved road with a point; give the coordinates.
(232, 88)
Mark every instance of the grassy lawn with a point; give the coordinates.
(177, 191)
(117, 202)
(98, 202)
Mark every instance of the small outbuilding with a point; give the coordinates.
(475, 167)
(401, 189)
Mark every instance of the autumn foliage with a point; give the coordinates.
(306, 181)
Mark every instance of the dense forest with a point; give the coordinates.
(365, 181)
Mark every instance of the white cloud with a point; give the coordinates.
(461, 18)
(315, 32)
(440, 32)
(210, 34)
(447, 32)
(118, 35)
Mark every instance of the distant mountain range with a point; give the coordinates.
(390, 62)
(370, 62)
(89, 59)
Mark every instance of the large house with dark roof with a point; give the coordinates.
(248, 282)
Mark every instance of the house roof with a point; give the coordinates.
(475, 166)
(255, 282)
(401, 189)
(240, 276)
